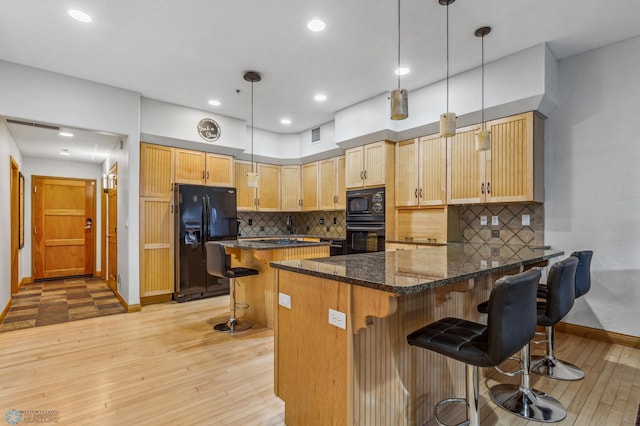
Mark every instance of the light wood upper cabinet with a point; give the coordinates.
(291, 188)
(156, 170)
(369, 165)
(332, 190)
(268, 192)
(190, 167)
(310, 186)
(219, 170)
(511, 171)
(267, 196)
(245, 196)
(421, 166)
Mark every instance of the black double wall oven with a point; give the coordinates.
(365, 220)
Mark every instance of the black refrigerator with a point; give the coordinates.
(205, 213)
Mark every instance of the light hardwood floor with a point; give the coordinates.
(165, 366)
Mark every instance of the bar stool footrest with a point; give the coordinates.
(449, 401)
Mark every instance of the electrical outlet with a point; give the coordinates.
(483, 264)
(262, 228)
(495, 263)
(250, 222)
(526, 220)
(483, 221)
(495, 251)
(495, 233)
(495, 221)
(322, 221)
(337, 318)
(328, 228)
(284, 300)
(335, 220)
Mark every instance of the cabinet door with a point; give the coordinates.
(310, 186)
(355, 167)
(219, 170)
(156, 246)
(432, 187)
(156, 170)
(407, 173)
(341, 195)
(375, 164)
(245, 196)
(268, 187)
(328, 184)
(464, 168)
(509, 165)
(291, 191)
(190, 167)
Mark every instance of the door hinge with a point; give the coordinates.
(35, 189)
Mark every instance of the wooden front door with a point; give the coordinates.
(112, 232)
(63, 227)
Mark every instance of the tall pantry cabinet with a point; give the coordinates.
(156, 223)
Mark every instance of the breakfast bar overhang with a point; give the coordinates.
(366, 373)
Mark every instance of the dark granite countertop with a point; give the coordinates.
(271, 243)
(412, 271)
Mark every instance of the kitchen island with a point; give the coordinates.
(259, 291)
(360, 369)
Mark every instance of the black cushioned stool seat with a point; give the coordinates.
(510, 326)
(218, 265)
(553, 309)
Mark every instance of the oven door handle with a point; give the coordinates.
(365, 228)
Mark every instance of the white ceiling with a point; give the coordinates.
(187, 52)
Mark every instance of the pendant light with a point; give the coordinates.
(252, 176)
(448, 119)
(399, 97)
(483, 136)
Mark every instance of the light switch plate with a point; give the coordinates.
(526, 220)
(483, 220)
(284, 300)
(495, 263)
(495, 221)
(483, 264)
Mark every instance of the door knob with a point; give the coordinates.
(89, 224)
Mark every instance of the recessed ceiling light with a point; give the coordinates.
(316, 25)
(285, 121)
(402, 71)
(65, 151)
(79, 15)
(320, 97)
(213, 102)
(66, 134)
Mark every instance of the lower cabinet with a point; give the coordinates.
(156, 250)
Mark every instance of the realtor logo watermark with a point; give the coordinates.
(14, 417)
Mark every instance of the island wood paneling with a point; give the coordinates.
(260, 291)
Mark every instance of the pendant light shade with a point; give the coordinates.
(448, 119)
(483, 136)
(252, 176)
(399, 97)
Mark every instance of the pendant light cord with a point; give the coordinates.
(398, 70)
(483, 123)
(448, 56)
(252, 163)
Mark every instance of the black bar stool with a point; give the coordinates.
(522, 400)
(218, 266)
(549, 365)
(510, 326)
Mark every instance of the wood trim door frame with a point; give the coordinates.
(14, 176)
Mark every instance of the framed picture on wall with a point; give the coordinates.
(20, 210)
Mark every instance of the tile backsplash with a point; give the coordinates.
(510, 228)
(263, 224)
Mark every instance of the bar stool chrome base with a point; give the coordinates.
(233, 326)
(553, 368)
(528, 403)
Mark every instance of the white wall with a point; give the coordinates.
(33, 94)
(51, 168)
(592, 175)
(8, 149)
